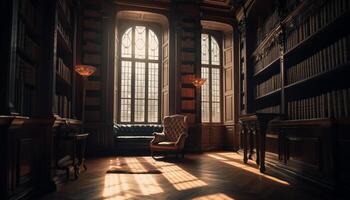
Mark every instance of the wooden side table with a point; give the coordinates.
(255, 126)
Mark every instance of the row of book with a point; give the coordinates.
(333, 104)
(64, 71)
(271, 109)
(26, 43)
(268, 86)
(28, 11)
(24, 100)
(65, 34)
(312, 23)
(63, 106)
(270, 55)
(335, 55)
(266, 26)
(66, 9)
(25, 72)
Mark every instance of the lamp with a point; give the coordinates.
(198, 82)
(84, 71)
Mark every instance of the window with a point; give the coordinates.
(211, 70)
(139, 76)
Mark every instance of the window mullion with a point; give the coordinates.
(209, 83)
(133, 76)
(146, 78)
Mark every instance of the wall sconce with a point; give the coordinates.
(198, 82)
(85, 70)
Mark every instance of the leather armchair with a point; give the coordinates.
(173, 137)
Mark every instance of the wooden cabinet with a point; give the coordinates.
(25, 172)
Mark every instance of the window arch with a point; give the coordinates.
(210, 70)
(139, 86)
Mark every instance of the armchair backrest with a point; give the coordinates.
(174, 126)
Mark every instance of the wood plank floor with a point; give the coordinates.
(215, 175)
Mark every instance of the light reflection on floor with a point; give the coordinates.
(216, 196)
(231, 159)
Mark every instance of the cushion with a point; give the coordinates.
(166, 144)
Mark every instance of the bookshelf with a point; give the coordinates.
(298, 66)
(64, 59)
(292, 52)
(25, 57)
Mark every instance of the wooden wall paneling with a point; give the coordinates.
(165, 74)
(92, 52)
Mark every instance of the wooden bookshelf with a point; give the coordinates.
(64, 59)
(307, 48)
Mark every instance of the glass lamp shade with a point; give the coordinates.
(85, 70)
(198, 82)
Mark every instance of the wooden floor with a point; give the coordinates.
(216, 175)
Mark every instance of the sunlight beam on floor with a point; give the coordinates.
(245, 167)
(181, 179)
(216, 196)
(146, 182)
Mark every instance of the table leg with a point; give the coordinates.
(257, 147)
(251, 143)
(245, 145)
(262, 133)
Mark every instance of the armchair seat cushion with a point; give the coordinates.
(166, 144)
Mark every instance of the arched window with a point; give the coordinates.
(139, 96)
(211, 70)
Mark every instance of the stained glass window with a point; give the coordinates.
(211, 90)
(139, 75)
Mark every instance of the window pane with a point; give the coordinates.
(215, 112)
(126, 44)
(215, 52)
(140, 80)
(140, 42)
(152, 110)
(140, 91)
(205, 87)
(205, 94)
(153, 81)
(125, 110)
(139, 110)
(215, 94)
(215, 85)
(205, 111)
(205, 49)
(126, 79)
(152, 45)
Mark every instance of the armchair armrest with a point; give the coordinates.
(180, 143)
(158, 137)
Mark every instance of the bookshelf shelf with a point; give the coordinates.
(335, 28)
(338, 73)
(269, 95)
(271, 66)
(62, 42)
